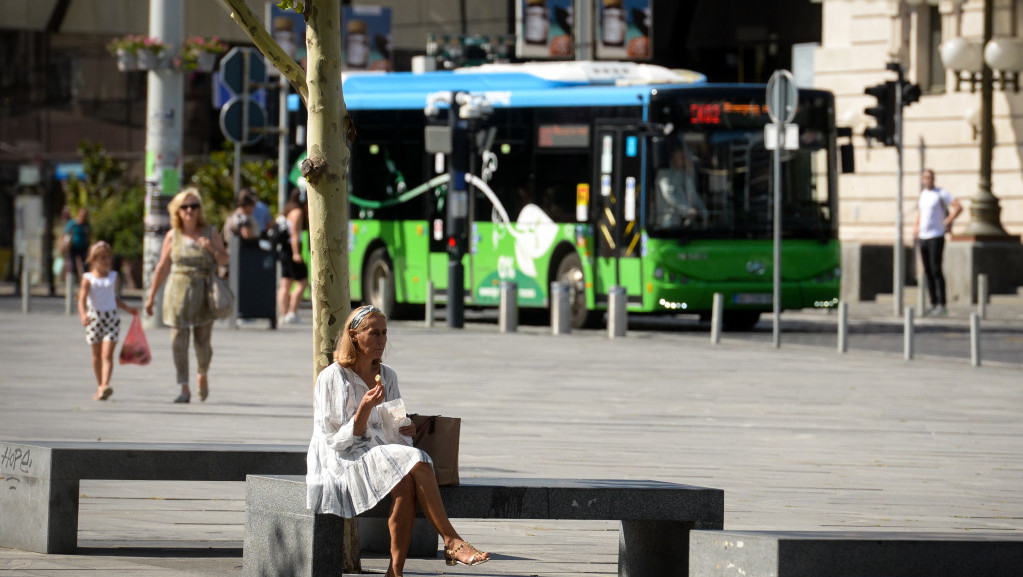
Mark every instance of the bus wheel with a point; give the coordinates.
(739, 320)
(378, 267)
(570, 272)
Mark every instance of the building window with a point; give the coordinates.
(933, 78)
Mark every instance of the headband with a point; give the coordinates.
(361, 313)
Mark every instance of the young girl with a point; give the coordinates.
(97, 306)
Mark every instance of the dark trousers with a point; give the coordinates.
(931, 250)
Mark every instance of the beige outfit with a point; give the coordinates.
(186, 305)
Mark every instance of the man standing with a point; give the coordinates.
(937, 209)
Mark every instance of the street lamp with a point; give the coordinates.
(977, 62)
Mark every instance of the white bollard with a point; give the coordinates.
(68, 299)
(907, 336)
(617, 317)
(717, 309)
(25, 287)
(975, 339)
(561, 323)
(982, 295)
(508, 317)
(429, 304)
(843, 327)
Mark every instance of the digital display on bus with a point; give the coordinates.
(563, 136)
(727, 113)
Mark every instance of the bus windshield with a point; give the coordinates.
(711, 176)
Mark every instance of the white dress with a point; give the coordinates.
(346, 474)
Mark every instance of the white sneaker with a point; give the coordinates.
(289, 318)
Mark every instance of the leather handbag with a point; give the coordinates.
(220, 296)
(439, 437)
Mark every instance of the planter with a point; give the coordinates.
(149, 60)
(205, 62)
(127, 61)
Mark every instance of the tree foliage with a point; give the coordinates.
(215, 179)
(113, 199)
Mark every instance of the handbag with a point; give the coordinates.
(438, 437)
(135, 350)
(220, 296)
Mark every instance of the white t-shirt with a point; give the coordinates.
(102, 295)
(933, 205)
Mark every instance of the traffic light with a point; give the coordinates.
(883, 112)
(910, 93)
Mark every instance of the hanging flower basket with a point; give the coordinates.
(148, 60)
(200, 54)
(126, 49)
(205, 62)
(153, 55)
(127, 61)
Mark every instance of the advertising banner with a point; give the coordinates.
(624, 29)
(544, 29)
(366, 38)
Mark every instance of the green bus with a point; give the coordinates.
(595, 175)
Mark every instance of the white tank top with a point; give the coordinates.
(102, 295)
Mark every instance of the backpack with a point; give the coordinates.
(278, 235)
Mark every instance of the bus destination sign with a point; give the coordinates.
(727, 113)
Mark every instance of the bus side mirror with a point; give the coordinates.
(659, 153)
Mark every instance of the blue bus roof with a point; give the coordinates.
(406, 90)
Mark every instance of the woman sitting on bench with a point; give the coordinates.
(351, 465)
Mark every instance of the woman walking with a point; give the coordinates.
(191, 252)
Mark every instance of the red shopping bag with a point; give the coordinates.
(135, 349)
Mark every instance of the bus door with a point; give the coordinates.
(617, 190)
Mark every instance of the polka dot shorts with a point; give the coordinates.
(103, 326)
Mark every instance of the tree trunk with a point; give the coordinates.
(324, 169)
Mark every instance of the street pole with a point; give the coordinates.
(164, 117)
(583, 32)
(899, 274)
(458, 212)
(984, 208)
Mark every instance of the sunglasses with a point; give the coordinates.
(191, 206)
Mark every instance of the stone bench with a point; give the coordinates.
(282, 537)
(39, 481)
(854, 554)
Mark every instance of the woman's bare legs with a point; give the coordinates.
(295, 298)
(403, 515)
(428, 497)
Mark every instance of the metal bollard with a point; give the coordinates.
(561, 324)
(975, 339)
(617, 317)
(843, 327)
(907, 336)
(508, 317)
(67, 294)
(717, 309)
(25, 288)
(429, 304)
(982, 295)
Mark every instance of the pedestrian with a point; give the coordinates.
(97, 306)
(937, 209)
(242, 223)
(191, 252)
(350, 464)
(77, 238)
(260, 212)
(294, 272)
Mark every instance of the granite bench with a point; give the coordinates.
(40, 480)
(282, 537)
(854, 554)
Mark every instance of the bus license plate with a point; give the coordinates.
(753, 298)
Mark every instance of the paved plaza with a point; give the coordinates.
(799, 438)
